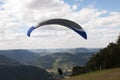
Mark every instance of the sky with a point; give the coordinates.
(99, 18)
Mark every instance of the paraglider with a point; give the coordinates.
(63, 22)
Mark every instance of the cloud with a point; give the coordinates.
(34, 11)
(19, 15)
(74, 7)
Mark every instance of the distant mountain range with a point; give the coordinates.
(20, 64)
(22, 56)
(13, 67)
(66, 50)
(51, 58)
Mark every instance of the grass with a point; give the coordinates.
(109, 74)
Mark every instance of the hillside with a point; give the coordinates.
(5, 61)
(22, 56)
(64, 60)
(51, 58)
(108, 74)
(23, 73)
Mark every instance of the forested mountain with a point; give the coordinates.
(23, 56)
(66, 50)
(64, 60)
(11, 69)
(5, 61)
(23, 73)
(48, 60)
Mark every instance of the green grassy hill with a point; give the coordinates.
(109, 74)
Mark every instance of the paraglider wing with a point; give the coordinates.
(67, 23)
(30, 30)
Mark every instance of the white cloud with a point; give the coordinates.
(74, 7)
(17, 15)
(32, 11)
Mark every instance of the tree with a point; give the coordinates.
(108, 57)
(118, 41)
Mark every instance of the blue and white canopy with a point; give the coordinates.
(67, 23)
